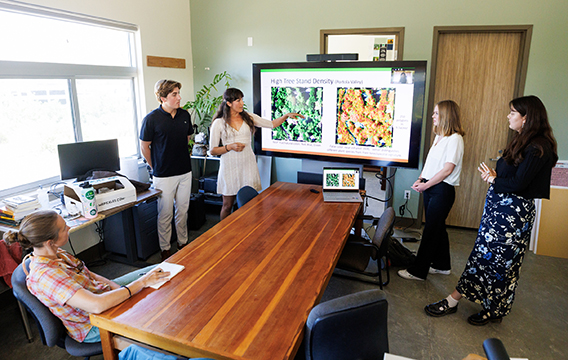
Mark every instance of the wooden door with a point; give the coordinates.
(482, 72)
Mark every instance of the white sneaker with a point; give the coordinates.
(406, 275)
(436, 271)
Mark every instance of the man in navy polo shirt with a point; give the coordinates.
(163, 140)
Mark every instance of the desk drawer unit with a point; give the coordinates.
(140, 224)
(145, 216)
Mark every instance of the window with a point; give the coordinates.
(373, 44)
(64, 78)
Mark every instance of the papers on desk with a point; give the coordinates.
(395, 357)
(14, 209)
(74, 221)
(173, 269)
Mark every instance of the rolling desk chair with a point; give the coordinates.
(245, 194)
(350, 327)
(51, 329)
(495, 350)
(357, 252)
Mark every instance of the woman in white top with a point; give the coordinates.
(230, 138)
(440, 174)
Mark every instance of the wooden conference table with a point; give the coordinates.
(249, 282)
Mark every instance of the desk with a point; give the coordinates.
(131, 253)
(249, 282)
(207, 183)
(81, 222)
(131, 256)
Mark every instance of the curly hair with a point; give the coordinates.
(36, 228)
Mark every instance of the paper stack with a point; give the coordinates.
(20, 206)
(7, 217)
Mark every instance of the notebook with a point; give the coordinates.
(341, 184)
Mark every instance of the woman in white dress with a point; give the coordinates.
(230, 138)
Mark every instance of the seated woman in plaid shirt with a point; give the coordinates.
(63, 283)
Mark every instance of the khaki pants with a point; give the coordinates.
(176, 190)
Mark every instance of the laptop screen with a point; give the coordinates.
(340, 178)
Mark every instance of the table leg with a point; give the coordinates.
(108, 346)
(359, 222)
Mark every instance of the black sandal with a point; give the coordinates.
(440, 308)
(483, 318)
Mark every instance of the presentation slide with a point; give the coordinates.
(340, 178)
(359, 113)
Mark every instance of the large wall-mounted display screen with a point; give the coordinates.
(356, 112)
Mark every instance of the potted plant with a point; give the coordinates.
(206, 102)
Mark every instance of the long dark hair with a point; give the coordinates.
(224, 111)
(536, 130)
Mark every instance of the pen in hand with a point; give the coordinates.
(142, 274)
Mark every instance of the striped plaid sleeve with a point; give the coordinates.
(58, 285)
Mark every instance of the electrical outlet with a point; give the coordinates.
(407, 194)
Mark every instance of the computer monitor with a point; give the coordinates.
(360, 112)
(76, 159)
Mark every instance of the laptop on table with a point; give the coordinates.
(341, 184)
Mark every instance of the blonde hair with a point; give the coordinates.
(36, 228)
(164, 87)
(448, 119)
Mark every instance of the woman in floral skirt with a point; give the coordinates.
(523, 174)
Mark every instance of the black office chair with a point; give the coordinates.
(51, 329)
(350, 327)
(303, 177)
(495, 350)
(357, 253)
(245, 194)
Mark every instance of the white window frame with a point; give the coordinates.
(72, 72)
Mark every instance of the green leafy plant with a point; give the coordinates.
(207, 100)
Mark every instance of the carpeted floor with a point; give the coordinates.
(537, 327)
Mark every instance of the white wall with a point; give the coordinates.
(164, 30)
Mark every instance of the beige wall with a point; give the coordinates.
(164, 30)
(288, 30)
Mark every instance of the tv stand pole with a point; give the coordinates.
(390, 172)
